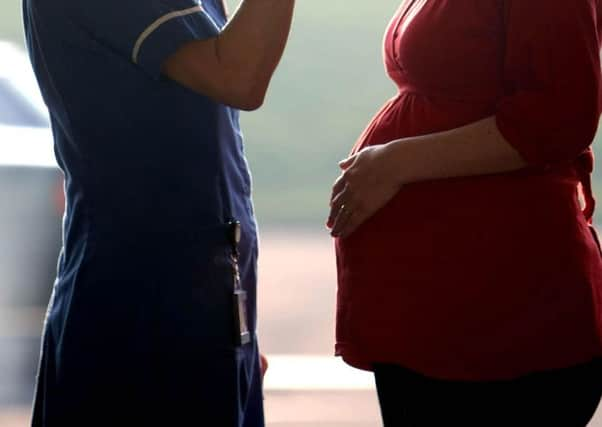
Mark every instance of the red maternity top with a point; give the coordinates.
(495, 276)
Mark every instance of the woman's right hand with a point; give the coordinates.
(370, 179)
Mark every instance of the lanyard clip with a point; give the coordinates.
(242, 335)
(234, 234)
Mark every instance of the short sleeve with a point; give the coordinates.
(551, 108)
(145, 32)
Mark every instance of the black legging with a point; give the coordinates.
(562, 398)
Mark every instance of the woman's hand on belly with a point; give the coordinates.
(368, 182)
(372, 177)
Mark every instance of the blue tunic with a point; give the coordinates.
(140, 327)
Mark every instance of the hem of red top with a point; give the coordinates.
(363, 361)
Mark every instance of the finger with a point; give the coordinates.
(346, 163)
(338, 186)
(340, 199)
(337, 204)
(345, 214)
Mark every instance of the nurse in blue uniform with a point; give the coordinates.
(148, 317)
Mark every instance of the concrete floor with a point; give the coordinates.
(294, 409)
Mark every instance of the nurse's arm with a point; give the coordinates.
(235, 68)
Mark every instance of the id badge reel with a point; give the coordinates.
(242, 335)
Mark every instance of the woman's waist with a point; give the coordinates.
(155, 214)
(152, 239)
(145, 257)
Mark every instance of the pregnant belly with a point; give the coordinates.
(469, 229)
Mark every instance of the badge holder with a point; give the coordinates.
(242, 335)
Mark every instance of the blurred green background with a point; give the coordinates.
(330, 83)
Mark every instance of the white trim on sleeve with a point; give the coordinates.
(162, 20)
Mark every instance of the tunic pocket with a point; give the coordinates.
(194, 299)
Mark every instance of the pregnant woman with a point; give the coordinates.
(470, 280)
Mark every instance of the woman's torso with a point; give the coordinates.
(454, 273)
